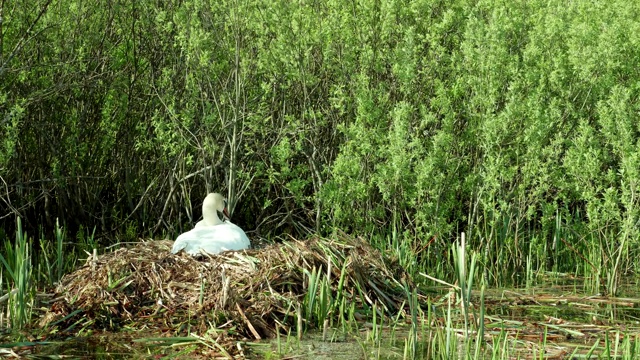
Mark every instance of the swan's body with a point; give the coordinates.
(212, 235)
(212, 239)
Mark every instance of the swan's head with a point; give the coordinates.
(214, 203)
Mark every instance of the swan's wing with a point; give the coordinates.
(183, 241)
(212, 247)
(243, 236)
(236, 237)
(212, 239)
(178, 245)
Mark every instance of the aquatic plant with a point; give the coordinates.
(20, 290)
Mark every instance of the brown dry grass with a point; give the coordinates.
(249, 294)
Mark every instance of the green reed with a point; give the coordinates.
(20, 290)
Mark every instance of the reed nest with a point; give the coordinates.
(245, 294)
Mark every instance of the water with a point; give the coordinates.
(108, 346)
(555, 319)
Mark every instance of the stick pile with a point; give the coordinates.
(251, 293)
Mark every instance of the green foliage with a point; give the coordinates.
(9, 134)
(515, 122)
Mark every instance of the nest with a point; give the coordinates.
(252, 294)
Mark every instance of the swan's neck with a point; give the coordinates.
(211, 217)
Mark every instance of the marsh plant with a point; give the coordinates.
(19, 289)
(409, 122)
(406, 122)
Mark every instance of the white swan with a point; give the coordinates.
(212, 235)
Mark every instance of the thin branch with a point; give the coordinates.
(25, 38)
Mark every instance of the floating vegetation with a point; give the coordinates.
(252, 294)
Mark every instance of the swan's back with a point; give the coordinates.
(212, 239)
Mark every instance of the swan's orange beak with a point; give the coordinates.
(226, 213)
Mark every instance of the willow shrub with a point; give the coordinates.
(408, 121)
(531, 123)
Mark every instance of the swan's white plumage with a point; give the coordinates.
(212, 235)
(212, 239)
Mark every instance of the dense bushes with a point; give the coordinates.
(514, 121)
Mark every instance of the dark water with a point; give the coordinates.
(104, 346)
(559, 312)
